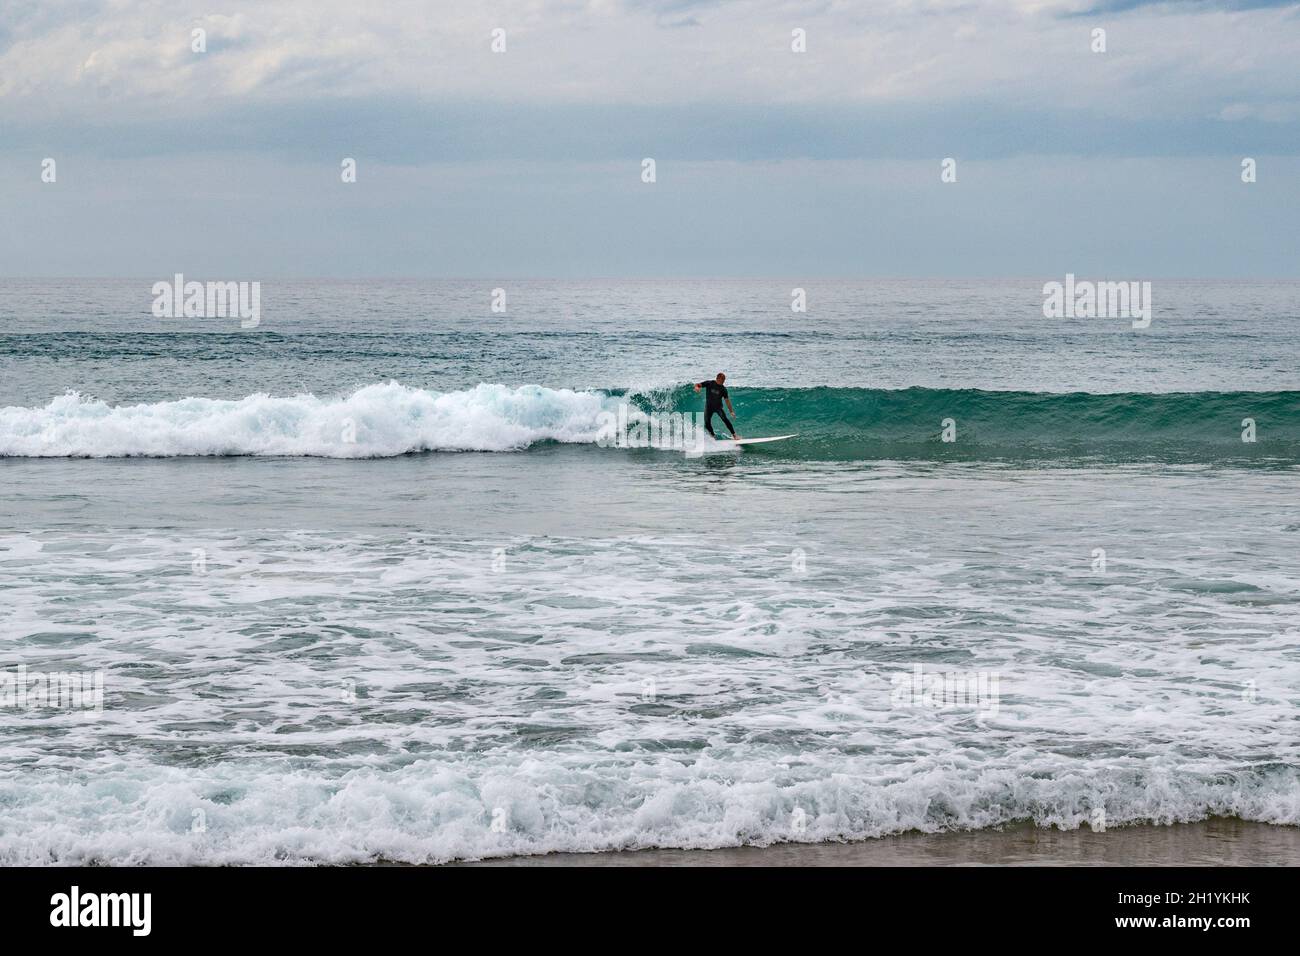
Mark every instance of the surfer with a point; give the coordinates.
(715, 393)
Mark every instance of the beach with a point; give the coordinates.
(1215, 842)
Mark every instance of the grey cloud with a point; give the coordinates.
(1183, 6)
(409, 132)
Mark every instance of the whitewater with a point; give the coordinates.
(372, 422)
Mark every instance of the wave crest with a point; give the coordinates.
(372, 422)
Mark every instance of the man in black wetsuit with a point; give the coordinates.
(715, 393)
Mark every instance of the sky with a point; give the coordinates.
(527, 163)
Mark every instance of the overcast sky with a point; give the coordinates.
(527, 163)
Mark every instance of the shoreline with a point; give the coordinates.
(1218, 841)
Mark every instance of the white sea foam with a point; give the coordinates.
(376, 421)
(435, 811)
(337, 697)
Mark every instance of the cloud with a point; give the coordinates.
(412, 131)
(1178, 6)
(117, 63)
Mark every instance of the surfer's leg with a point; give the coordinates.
(726, 421)
(708, 424)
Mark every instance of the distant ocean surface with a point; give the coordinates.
(363, 585)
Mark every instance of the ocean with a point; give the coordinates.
(368, 583)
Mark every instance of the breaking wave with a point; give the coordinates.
(384, 420)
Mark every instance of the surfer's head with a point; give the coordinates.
(721, 378)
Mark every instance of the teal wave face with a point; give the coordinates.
(944, 424)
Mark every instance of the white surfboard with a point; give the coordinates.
(753, 441)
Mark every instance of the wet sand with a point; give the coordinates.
(1221, 841)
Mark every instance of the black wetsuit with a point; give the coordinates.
(713, 396)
